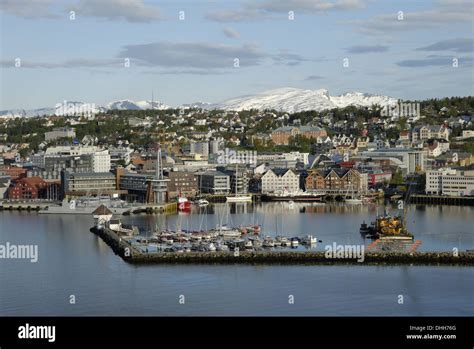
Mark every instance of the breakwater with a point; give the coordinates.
(131, 254)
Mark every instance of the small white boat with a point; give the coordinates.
(211, 247)
(248, 244)
(202, 202)
(268, 242)
(294, 243)
(257, 243)
(353, 201)
(239, 198)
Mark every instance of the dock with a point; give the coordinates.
(132, 254)
(442, 200)
(26, 205)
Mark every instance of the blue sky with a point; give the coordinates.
(191, 60)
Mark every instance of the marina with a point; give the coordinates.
(135, 253)
(393, 244)
(254, 283)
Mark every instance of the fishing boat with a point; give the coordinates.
(184, 205)
(386, 227)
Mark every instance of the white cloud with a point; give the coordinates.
(265, 9)
(231, 33)
(129, 10)
(448, 12)
(28, 8)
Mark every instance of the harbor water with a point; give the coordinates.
(74, 262)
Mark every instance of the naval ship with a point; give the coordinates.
(88, 205)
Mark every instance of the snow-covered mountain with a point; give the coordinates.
(140, 105)
(73, 108)
(282, 99)
(295, 100)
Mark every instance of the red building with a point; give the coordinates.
(377, 178)
(27, 188)
(13, 172)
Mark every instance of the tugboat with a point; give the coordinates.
(386, 227)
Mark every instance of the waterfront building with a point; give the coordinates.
(336, 181)
(214, 182)
(279, 181)
(239, 178)
(27, 189)
(182, 182)
(135, 185)
(88, 184)
(450, 182)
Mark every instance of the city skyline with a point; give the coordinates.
(125, 49)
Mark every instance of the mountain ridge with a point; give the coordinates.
(285, 99)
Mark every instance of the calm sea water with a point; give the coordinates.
(73, 261)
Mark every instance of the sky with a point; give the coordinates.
(98, 51)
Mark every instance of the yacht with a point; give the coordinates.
(268, 242)
(310, 240)
(238, 197)
(202, 202)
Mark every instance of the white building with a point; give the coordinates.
(450, 182)
(410, 160)
(101, 161)
(279, 181)
(120, 154)
(430, 131)
(100, 157)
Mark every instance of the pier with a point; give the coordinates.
(442, 200)
(26, 205)
(132, 254)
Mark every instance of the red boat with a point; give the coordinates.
(184, 204)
